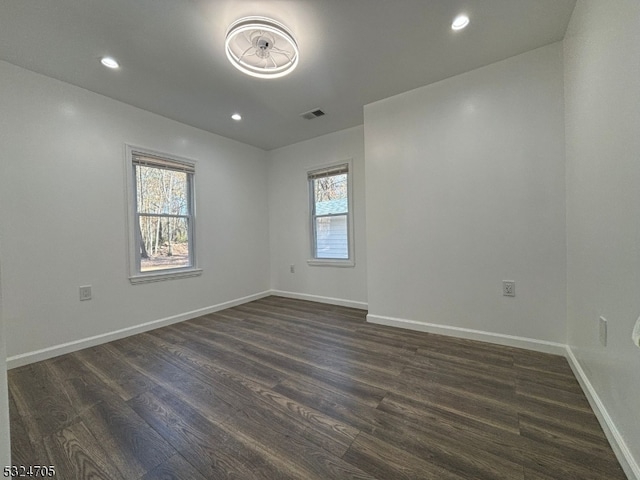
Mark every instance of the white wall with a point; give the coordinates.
(602, 93)
(464, 189)
(63, 214)
(289, 219)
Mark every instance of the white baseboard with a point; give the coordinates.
(627, 462)
(50, 352)
(317, 298)
(480, 335)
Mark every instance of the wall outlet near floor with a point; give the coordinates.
(85, 293)
(508, 288)
(602, 322)
(292, 268)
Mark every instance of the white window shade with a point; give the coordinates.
(146, 160)
(328, 172)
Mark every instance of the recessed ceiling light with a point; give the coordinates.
(261, 47)
(109, 62)
(460, 22)
(237, 117)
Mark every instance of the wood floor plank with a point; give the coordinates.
(452, 449)
(491, 410)
(291, 319)
(509, 446)
(498, 389)
(198, 390)
(308, 351)
(312, 311)
(133, 446)
(284, 365)
(353, 386)
(486, 372)
(80, 384)
(322, 429)
(322, 332)
(533, 475)
(387, 461)
(566, 467)
(548, 379)
(359, 372)
(561, 433)
(29, 437)
(289, 451)
(542, 362)
(343, 344)
(114, 372)
(40, 399)
(283, 388)
(23, 451)
(203, 353)
(283, 360)
(553, 395)
(176, 468)
(339, 407)
(77, 455)
(208, 446)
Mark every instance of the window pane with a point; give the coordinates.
(164, 243)
(161, 191)
(331, 237)
(330, 194)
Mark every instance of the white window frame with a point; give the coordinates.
(332, 262)
(136, 276)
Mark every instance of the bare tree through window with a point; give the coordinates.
(163, 211)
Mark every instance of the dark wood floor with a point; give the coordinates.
(287, 389)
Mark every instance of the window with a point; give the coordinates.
(331, 220)
(161, 220)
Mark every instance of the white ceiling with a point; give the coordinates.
(352, 52)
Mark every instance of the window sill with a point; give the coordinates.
(319, 262)
(159, 277)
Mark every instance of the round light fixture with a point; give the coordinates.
(460, 22)
(109, 62)
(261, 47)
(237, 117)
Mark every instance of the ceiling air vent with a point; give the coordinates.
(310, 115)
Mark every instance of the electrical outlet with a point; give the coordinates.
(508, 288)
(603, 331)
(85, 293)
(292, 268)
